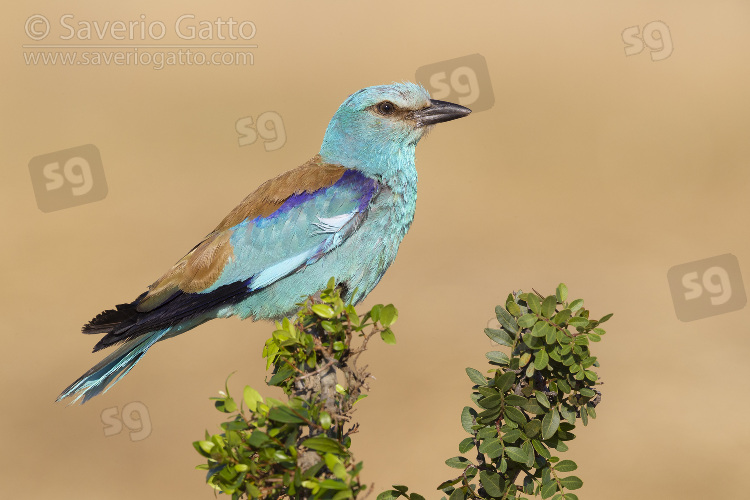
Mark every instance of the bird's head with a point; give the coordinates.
(377, 125)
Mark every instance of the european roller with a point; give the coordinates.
(343, 213)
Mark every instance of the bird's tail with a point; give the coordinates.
(111, 369)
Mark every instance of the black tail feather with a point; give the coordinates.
(125, 322)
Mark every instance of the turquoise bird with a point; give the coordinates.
(343, 214)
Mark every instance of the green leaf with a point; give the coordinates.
(516, 454)
(342, 495)
(465, 445)
(252, 398)
(547, 490)
(388, 336)
(533, 342)
(325, 420)
(555, 354)
(446, 484)
(512, 436)
(332, 484)
(591, 411)
(506, 320)
(548, 306)
(476, 376)
(542, 398)
(489, 415)
(586, 363)
(565, 466)
(594, 337)
(492, 482)
(534, 407)
(514, 400)
(512, 308)
(529, 450)
(283, 373)
(550, 424)
(458, 494)
(490, 402)
(414, 496)
(586, 392)
(458, 462)
(206, 446)
(497, 357)
(532, 427)
(541, 359)
(533, 302)
(585, 417)
(571, 482)
(487, 432)
(568, 414)
(605, 318)
(541, 449)
(563, 385)
(487, 391)
(467, 418)
(388, 315)
(323, 310)
(323, 444)
(491, 447)
(505, 381)
(551, 336)
(499, 336)
(515, 415)
(284, 414)
(524, 359)
(561, 293)
(540, 329)
(576, 305)
(389, 495)
(375, 312)
(562, 316)
(229, 405)
(527, 320)
(257, 438)
(578, 321)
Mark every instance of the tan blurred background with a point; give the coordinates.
(594, 168)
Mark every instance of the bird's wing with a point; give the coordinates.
(289, 222)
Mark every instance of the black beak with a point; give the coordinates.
(439, 112)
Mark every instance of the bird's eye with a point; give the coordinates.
(385, 108)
